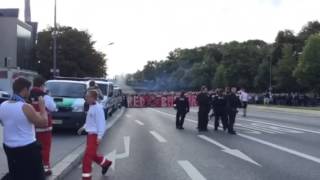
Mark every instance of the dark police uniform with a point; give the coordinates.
(203, 100)
(233, 102)
(182, 105)
(219, 104)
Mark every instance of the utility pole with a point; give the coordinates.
(270, 74)
(54, 35)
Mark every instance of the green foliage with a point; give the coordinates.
(307, 71)
(285, 81)
(243, 64)
(76, 55)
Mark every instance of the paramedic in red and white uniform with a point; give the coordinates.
(43, 134)
(95, 126)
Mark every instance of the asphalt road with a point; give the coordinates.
(271, 144)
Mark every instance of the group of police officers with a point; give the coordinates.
(223, 103)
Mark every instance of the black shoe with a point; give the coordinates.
(181, 128)
(48, 173)
(105, 168)
(232, 133)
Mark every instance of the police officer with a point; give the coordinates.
(219, 104)
(203, 100)
(233, 102)
(182, 106)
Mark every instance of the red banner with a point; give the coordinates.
(141, 101)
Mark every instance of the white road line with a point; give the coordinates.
(233, 152)
(139, 122)
(257, 128)
(262, 122)
(128, 116)
(290, 151)
(158, 137)
(283, 126)
(286, 130)
(249, 131)
(192, 172)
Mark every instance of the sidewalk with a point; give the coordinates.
(67, 147)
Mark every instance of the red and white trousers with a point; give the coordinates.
(90, 155)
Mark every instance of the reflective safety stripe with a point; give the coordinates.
(103, 161)
(86, 175)
(43, 129)
(46, 168)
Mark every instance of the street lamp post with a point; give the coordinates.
(270, 74)
(54, 35)
(109, 44)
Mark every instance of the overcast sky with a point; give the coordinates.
(145, 30)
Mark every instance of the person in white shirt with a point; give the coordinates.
(244, 98)
(19, 120)
(95, 126)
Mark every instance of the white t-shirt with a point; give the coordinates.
(95, 121)
(50, 104)
(244, 97)
(18, 131)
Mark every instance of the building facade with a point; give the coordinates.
(16, 41)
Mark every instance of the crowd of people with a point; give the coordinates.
(286, 99)
(27, 128)
(223, 103)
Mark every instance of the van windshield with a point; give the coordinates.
(66, 89)
(103, 88)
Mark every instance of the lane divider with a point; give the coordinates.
(281, 148)
(139, 122)
(158, 137)
(233, 152)
(192, 172)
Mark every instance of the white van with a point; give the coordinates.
(118, 96)
(107, 89)
(69, 98)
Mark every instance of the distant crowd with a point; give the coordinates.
(285, 99)
(165, 99)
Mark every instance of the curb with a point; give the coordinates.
(306, 111)
(61, 169)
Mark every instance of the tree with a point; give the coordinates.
(307, 71)
(312, 27)
(262, 78)
(76, 55)
(219, 80)
(285, 81)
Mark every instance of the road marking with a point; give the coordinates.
(249, 130)
(192, 172)
(233, 152)
(283, 126)
(128, 116)
(158, 137)
(139, 122)
(290, 151)
(256, 128)
(113, 156)
(261, 122)
(280, 129)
